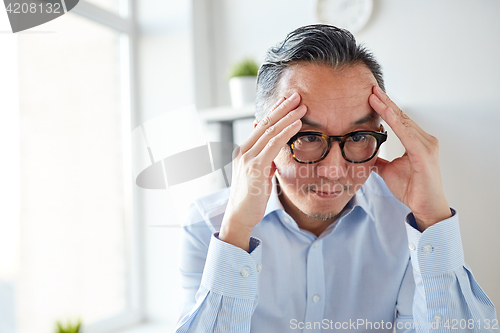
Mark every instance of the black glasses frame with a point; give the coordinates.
(380, 136)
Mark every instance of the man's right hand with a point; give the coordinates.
(253, 170)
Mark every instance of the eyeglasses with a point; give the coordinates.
(356, 147)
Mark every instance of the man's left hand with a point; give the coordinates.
(414, 178)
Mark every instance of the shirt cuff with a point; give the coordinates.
(438, 249)
(232, 271)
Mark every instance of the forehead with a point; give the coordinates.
(335, 98)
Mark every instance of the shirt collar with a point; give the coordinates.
(358, 200)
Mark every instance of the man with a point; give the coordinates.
(310, 238)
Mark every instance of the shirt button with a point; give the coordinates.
(315, 244)
(412, 246)
(438, 317)
(259, 267)
(428, 249)
(316, 298)
(245, 272)
(286, 219)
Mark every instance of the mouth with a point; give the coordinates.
(326, 195)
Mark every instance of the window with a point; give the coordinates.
(75, 250)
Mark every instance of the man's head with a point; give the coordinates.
(334, 78)
(320, 44)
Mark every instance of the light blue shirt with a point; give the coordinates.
(370, 271)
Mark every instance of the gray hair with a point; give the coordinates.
(318, 43)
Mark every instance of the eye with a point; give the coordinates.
(310, 138)
(358, 138)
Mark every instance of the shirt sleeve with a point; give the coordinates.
(225, 285)
(446, 297)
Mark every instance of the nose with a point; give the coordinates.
(333, 166)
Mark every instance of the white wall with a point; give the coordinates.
(440, 60)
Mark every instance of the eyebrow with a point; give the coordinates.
(371, 117)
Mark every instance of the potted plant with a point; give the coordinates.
(69, 327)
(243, 82)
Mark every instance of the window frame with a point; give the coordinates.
(124, 22)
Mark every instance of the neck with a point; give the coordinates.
(316, 226)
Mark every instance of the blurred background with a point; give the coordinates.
(78, 238)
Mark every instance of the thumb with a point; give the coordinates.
(380, 165)
(270, 171)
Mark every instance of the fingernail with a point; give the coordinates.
(278, 103)
(301, 107)
(379, 90)
(293, 97)
(377, 99)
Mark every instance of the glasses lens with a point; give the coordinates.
(309, 148)
(359, 147)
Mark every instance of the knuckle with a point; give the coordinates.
(412, 134)
(403, 115)
(434, 141)
(270, 130)
(244, 158)
(254, 165)
(281, 106)
(236, 152)
(265, 121)
(277, 104)
(400, 120)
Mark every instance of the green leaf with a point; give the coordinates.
(69, 328)
(246, 67)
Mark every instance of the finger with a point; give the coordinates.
(275, 106)
(277, 112)
(403, 116)
(277, 128)
(411, 135)
(276, 143)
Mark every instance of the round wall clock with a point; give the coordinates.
(348, 14)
